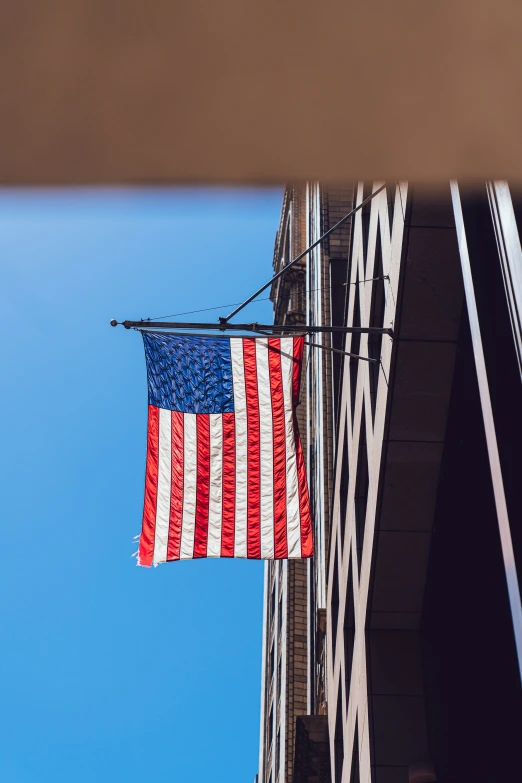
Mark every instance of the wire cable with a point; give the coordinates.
(202, 310)
(261, 299)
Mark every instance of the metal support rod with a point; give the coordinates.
(338, 350)
(285, 269)
(252, 327)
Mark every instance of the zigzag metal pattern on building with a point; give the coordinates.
(411, 660)
(376, 256)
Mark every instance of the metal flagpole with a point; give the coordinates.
(252, 327)
(279, 329)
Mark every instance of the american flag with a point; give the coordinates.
(225, 472)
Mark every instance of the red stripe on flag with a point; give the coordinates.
(148, 528)
(279, 433)
(176, 490)
(253, 450)
(203, 484)
(229, 485)
(298, 358)
(307, 541)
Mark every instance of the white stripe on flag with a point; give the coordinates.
(240, 420)
(161, 537)
(267, 450)
(190, 471)
(293, 517)
(216, 475)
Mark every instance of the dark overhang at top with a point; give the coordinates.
(112, 92)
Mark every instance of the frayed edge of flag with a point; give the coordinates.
(136, 554)
(138, 561)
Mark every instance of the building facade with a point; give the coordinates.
(294, 637)
(423, 598)
(398, 641)
(284, 676)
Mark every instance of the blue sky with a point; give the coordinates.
(111, 672)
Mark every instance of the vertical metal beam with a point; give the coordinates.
(489, 426)
(510, 253)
